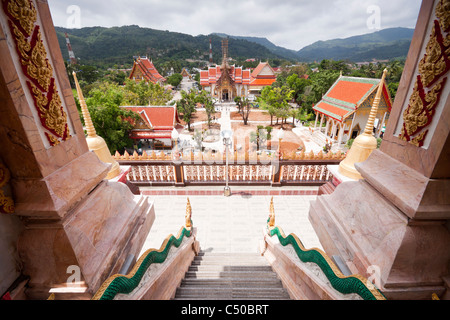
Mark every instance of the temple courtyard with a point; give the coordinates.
(231, 224)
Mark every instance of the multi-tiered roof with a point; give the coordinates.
(347, 94)
(144, 69)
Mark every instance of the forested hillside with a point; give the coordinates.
(106, 47)
(386, 44)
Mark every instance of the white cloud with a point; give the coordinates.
(289, 23)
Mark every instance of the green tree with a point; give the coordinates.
(298, 86)
(205, 98)
(186, 106)
(111, 122)
(265, 100)
(321, 83)
(276, 101)
(238, 101)
(145, 93)
(246, 108)
(175, 79)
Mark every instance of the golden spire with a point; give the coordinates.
(87, 117)
(365, 143)
(376, 102)
(96, 143)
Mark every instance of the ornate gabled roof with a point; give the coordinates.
(148, 70)
(225, 77)
(263, 75)
(214, 74)
(347, 94)
(157, 117)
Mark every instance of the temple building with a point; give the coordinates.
(69, 232)
(185, 74)
(345, 109)
(226, 82)
(263, 75)
(155, 125)
(144, 69)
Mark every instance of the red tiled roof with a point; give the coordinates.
(160, 117)
(347, 94)
(213, 74)
(262, 82)
(148, 70)
(334, 112)
(350, 91)
(259, 68)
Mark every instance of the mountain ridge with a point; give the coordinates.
(389, 43)
(117, 45)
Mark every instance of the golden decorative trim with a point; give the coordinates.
(36, 67)
(332, 265)
(136, 267)
(25, 12)
(242, 156)
(271, 221)
(430, 82)
(188, 216)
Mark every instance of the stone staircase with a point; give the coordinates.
(228, 276)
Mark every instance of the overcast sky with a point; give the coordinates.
(292, 24)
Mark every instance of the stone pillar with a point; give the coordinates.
(393, 225)
(315, 123)
(341, 133)
(321, 122)
(333, 129)
(78, 227)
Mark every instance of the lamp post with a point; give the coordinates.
(226, 136)
(280, 136)
(175, 136)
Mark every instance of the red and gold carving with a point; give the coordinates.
(36, 67)
(430, 81)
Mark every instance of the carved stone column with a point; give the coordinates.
(73, 218)
(393, 225)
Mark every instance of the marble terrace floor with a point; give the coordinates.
(231, 224)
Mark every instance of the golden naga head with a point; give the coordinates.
(271, 220)
(188, 216)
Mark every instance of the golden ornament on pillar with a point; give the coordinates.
(95, 142)
(365, 143)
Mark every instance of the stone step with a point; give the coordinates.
(241, 276)
(228, 268)
(232, 283)
(234, 293)
(231, 274)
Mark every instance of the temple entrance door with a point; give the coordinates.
(225, 95)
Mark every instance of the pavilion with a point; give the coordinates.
(346, 106)
(144, 69)
(155, 125)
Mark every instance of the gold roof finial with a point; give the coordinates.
(87, 117)
(365, 143)
(188, 216)
(271, 221)
(96, 143)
